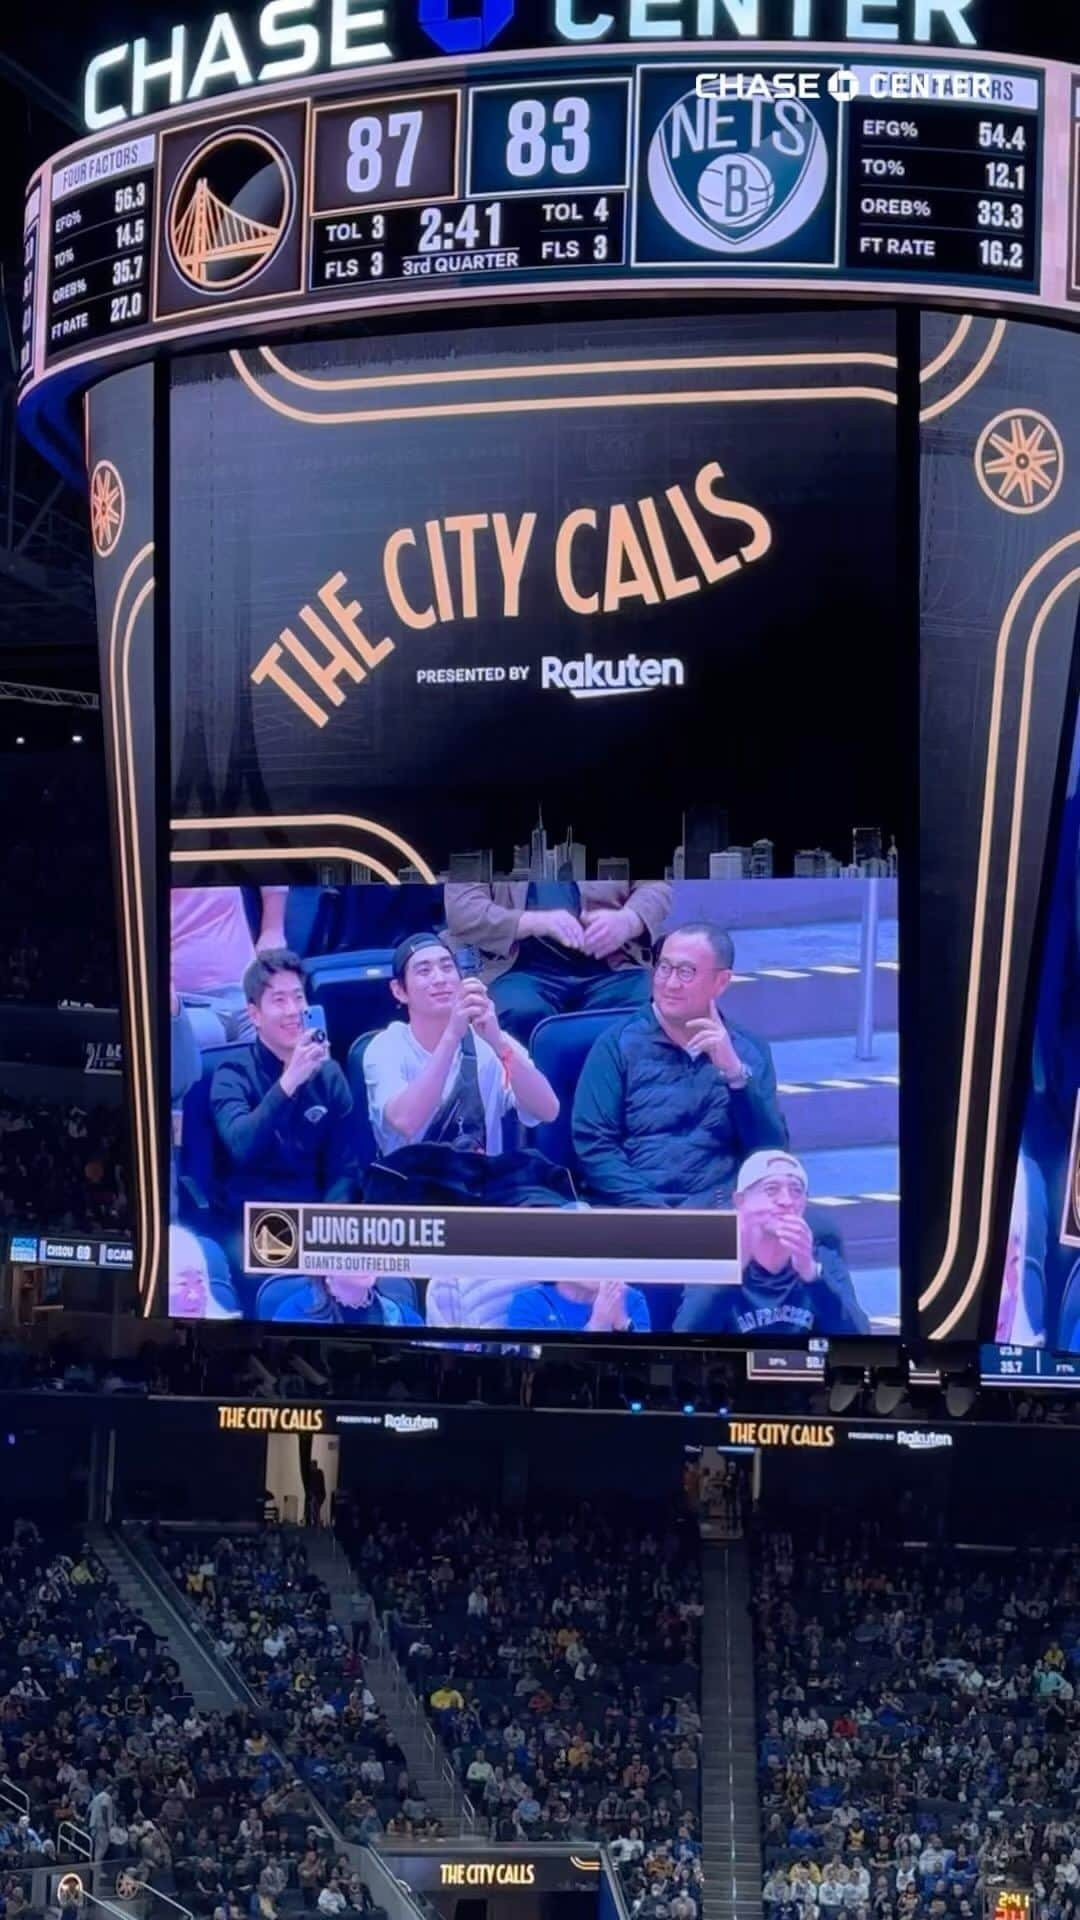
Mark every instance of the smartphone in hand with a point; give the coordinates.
(315, 1023)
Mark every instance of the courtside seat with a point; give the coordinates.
(559, 1048)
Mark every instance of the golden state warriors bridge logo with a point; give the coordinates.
(229, 210)
(743, 177)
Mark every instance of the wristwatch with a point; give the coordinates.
(737, 1081)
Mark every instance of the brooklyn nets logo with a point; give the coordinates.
(229, 210)
(741, 181)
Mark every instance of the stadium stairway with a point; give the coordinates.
(730, 1809)
(200, 1675)
(427, 1763)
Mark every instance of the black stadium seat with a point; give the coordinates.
(354, 1073)
(559, 1047)
(354, 993)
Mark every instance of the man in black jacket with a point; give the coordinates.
(282, 1107)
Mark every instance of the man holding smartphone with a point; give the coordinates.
(447, 1074)
(282, 1108)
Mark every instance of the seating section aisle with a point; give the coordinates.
(559, 1659)
(270, 1615)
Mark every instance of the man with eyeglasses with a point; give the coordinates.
(671, 1101)
(790, 1282)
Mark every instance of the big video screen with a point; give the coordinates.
(598, 573)
(548, 1105)
(1038, 1303)
(574, 651)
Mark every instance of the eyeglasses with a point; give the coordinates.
(682, 970)
(782, 1189)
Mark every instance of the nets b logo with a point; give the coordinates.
(737, 177)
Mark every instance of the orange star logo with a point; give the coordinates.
(106, 508)
(1019, 460)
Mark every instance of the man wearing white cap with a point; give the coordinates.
(790, 1282)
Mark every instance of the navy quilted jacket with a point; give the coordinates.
(656, 1127)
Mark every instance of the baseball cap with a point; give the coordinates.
(405, 949)
(765, 1162)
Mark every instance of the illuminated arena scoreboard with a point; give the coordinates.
(840, 171)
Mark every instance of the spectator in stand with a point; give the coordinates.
(62, 1166)
(912, 1756)
(211, 950)
(562, 1656)
(95, 1727)
(258, 1596)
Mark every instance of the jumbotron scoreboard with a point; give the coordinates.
(884, 171)
(476, 394)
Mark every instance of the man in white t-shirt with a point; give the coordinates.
(447, 1074)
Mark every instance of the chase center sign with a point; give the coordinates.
(288, 39)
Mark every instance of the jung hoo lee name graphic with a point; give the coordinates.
(466, 566)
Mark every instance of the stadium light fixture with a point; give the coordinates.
(845, 1386)
(960, 1397)
(890, 1393)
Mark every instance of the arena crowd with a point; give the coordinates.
(63, 1166)
(920, 1732)
(97, 1730)
(558, 1655)
(270, 1616)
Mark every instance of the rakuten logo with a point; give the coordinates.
(593, 679)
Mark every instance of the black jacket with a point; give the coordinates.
(655, 1126)
(282, 1148)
